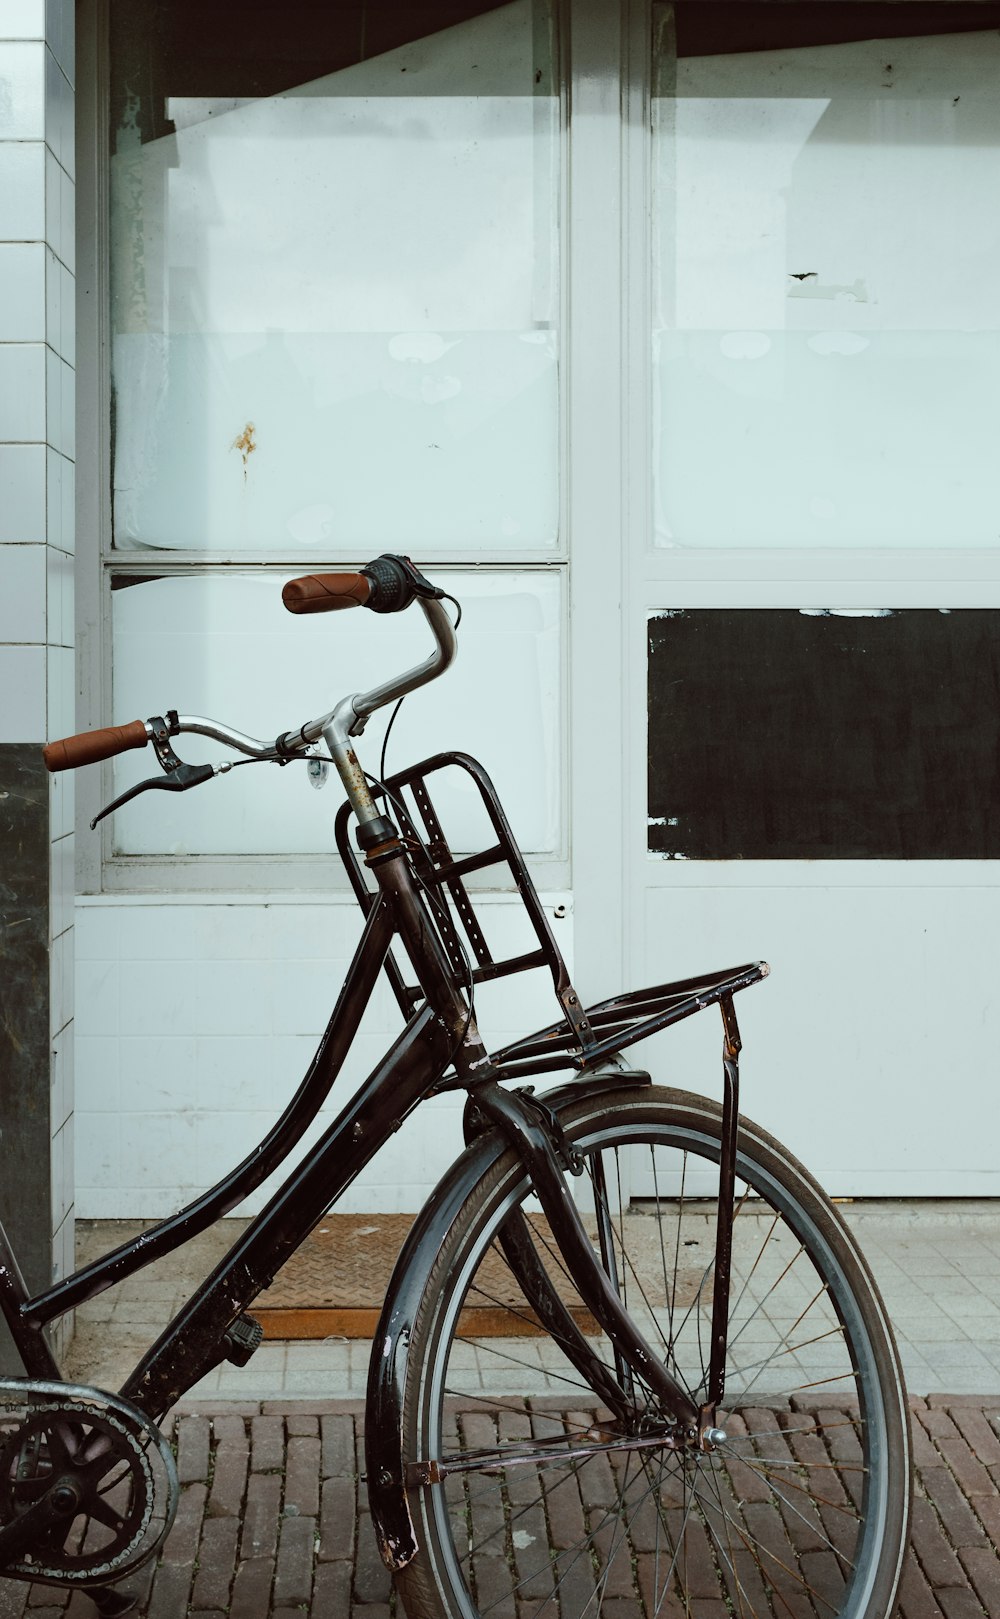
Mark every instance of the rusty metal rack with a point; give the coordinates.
(583, 1036)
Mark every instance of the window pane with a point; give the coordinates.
(827, 309)
(223, 646)
(335, 296)
(777, 735)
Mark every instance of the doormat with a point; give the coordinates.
(334, 1285)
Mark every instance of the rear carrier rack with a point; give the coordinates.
(582, 1037)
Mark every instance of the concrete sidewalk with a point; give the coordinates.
(273, 1522)
(936, 1263)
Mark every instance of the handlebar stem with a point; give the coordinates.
(350, 716)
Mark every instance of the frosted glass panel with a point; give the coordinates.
(826, 334)
(223, 646)
(335, 308)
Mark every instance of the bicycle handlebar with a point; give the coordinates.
(326, 592)
(88, 747)
(387, 585)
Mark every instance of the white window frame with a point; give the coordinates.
(99, 868)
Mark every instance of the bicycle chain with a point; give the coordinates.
(107, 1458)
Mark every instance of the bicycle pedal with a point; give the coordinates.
(243, 1337)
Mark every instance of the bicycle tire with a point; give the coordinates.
(802, 1511)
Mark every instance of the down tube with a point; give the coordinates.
(194, 1343)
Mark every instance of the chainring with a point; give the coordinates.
(112, 1456)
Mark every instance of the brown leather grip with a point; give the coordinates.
(326, 592)
(89, 746)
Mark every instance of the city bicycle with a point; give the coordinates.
(715, 1419)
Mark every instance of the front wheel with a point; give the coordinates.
(541, 1505)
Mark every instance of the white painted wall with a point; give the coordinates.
(196, 1021)
(37, 449)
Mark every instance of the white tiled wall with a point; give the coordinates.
(196, 1021)
(37, 403)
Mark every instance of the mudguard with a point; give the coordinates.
(394, 1530)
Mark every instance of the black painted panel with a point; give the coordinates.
(25, 1074)
(727, 26)
(793, 736)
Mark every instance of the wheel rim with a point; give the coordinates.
(781, 1519)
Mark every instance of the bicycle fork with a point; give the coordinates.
(540, 1143)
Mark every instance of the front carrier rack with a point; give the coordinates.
(582, 1038)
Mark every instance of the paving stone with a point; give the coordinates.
(193, 1442)
(181, 1545)
(216, 1564)
(296, 1555)
(229, 1477)
(252, 1589)
(267, 1444)
(272, 1521)
(372, 1581)
(299, 1424)
(302, 1476)
(916, 1599)
(936, 1557)
(983, 1568)
(261, 1516)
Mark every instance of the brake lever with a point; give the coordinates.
(182, 777)
(177, 776)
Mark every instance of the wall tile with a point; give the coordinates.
(98, 929)
(164, 997)
(22, 19)
(22, 599)
(67, 313)
(60, 626)
(98, 1157)
(64, 1264)
(98, 1058)
(22, 92)
(22, 390)
(60, 476)
(232, 997)
(96, 1005)
(62, 1172)
(61, 691)
(159, 1149)
(67, 221)
(22, 191)
(61, 885)
(22, 494)
(62, 797)
(22, 694)
(60, 384)
(22, 292)
(63, 1063)
(157, 1071)
(67, 407)
(59, 114)
(60, 33)
(61, 982)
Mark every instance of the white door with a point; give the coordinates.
(810, 630)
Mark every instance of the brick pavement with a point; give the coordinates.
(273, 1519)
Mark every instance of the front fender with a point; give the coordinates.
(394, 1530)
